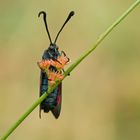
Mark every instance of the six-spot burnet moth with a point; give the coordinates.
(52, 70)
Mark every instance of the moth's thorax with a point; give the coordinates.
(51, 53)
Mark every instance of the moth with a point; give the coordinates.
(52, 69)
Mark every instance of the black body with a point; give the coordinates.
(53, 101)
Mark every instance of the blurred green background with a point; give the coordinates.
(101, 97)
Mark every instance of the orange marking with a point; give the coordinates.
(44, 64)
(54, 76)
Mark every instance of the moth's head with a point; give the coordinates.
(53, 48)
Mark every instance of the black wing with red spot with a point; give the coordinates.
(57, 109)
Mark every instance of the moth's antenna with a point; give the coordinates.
(68, 18)
(45, 21)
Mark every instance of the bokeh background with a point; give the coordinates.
(101, 97)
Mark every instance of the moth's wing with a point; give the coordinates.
(43, 87)
(40, 93)
(57, 109)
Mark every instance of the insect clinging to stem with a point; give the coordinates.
(52, 69)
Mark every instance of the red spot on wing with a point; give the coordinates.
(56, 111)
(59, 93)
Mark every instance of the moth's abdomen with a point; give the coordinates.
(50, 102)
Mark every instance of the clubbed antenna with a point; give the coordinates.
(68, 18)
(45, 21)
